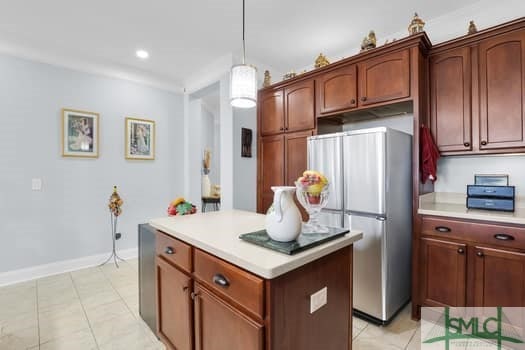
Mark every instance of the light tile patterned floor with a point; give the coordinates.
(97, 308)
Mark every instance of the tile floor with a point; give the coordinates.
(97, 308)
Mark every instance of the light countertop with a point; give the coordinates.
(454, 205)
(218, 233)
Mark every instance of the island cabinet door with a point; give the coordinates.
(499, 277)
(174, 307)
(384, 78)
(443, 273)
(219, 326)
(337, 90)
(502, 91)
(450, 100)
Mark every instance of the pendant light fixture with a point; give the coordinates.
(243, 82)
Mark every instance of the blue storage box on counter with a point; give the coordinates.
(490, 204)
(500, 198)
(490, 191)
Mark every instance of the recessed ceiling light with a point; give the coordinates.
(143, 54)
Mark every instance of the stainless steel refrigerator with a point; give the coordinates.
(371, 190)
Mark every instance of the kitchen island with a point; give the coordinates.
(217, 292)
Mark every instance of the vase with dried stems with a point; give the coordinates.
(205, 181)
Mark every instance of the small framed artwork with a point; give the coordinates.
(79, 133)
(140, 139)
(246, 143)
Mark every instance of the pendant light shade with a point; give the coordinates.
(243, 78)
(243, 86)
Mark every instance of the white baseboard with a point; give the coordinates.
(30, 273)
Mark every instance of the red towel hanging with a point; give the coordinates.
(429, 155)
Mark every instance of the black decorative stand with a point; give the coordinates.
(115, 236)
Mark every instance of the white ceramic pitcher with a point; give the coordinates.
(283, 219)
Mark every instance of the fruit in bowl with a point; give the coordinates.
(180, 206)
(313, 183)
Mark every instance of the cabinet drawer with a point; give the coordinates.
(492, 234)
(174, 251)
(236, 284)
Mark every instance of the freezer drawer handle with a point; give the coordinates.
(503, 237)
(220, 280)
(442, 229)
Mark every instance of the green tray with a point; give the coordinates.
(302, 243)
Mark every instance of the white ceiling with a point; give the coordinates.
(183, 36)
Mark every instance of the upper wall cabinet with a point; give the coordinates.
(271, 109)
(337, 90)
(300, 106)
(384, 78)
(502, 91)
(450, 100)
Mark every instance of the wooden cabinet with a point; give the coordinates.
(220, 326)
(466, 263)
(499, 277)
(384, 78)
(443, 270)
(502, 91)
(450, 100)
(300, 106)
(271, 110)
(287, 110)
(337, 90)
(174, 306)
(282, 159)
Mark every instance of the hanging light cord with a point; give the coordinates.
(243, 43)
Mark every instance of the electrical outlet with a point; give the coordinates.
(318, 300)
(36, 184)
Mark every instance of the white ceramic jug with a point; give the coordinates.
(283, 219)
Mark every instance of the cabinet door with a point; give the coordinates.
(219, 326)
(443, 274)
(271, 112)
(384, 78)
(300, 107)
(450, 100)
(271, 169)
(499, 277)
(295, 155)
(174, 307)
(337, 90)
(502, 91)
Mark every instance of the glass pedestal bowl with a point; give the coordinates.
(313, 202)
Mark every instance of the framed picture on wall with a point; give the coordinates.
(79, 133)
(140, 139)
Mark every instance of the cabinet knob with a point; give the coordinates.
(194, 295)
(281, 129)
(352, 101)
(461, 250)
(285, 128)
(466, 144)
(220, 280)
(363, 98)
(185, 288)
(480, 254)
(169, 250)
(483, 143)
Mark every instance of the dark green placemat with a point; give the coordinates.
(303, 242)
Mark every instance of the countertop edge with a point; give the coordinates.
(315, 252)
(472, 216)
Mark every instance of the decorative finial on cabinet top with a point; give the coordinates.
(321, 61)
(369, 42)
(267, 79)
(416, 25)
(472, 28)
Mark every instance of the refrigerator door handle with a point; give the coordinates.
(380, 218)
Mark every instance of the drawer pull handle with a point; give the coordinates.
(504, 237)
(220, 280)
(489, 191)
(442, 229)
(169, 251)
(461, 250)
(480, 254)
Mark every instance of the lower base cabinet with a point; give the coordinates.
(220, 326)
(174, 307)
(465, 263)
